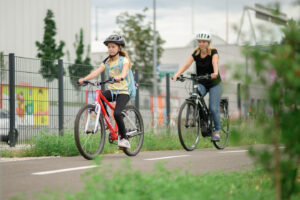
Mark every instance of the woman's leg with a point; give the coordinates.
(202, 89)
(214, 106)
(121, 101)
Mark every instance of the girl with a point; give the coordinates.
(206, 59)
(118, 91)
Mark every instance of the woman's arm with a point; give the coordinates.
(184, 67)
(215, 60)
(93, 74)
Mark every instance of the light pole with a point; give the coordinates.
(154, 68)
(96, 21)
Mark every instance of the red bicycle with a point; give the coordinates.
(90, 130)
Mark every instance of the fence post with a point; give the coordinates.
(168, 98)
(239, 99)
(12, 109)
(60, 97)
(137, 97)
(102, 79)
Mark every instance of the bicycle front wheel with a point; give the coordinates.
(134, 129)
(189, 125)
(224, 132)
(89, 142)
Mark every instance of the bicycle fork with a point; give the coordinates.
(97, 111)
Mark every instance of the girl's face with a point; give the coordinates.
(202, 44)
(113, 48)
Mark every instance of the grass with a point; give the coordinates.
(54, 145)
(164, 184)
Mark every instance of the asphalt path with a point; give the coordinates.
(28, 176)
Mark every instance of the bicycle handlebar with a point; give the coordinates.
(110, 80)
(193, 77)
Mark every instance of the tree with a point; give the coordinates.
(81, 67)
(139, 41)
(48, 51)
(283, 95)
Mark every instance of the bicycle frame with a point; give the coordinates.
(202, 109)
(100, 107)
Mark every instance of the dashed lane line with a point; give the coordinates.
(64, 170)
(167, 157)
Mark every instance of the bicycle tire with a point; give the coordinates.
(189, 128)
(96, 147)
(136, 142)
(224, 132)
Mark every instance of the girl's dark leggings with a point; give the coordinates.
(121, 101)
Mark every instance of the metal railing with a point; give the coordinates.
(31, 105)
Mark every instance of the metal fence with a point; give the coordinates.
(35, 105)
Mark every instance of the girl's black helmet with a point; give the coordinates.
(115, 39)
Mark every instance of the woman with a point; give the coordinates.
(118, 91)
(206, 58)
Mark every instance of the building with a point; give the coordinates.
(23, 24)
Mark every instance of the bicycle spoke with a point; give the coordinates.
(188, 126)
(134, 125)
(88, 141)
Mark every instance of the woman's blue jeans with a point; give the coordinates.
(214, 103)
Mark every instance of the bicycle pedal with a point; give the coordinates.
(121, 148)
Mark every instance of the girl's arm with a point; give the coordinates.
(123, 73)
(184, 67)
(93, 74)
(215, 60)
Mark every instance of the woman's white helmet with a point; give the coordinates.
(203, 36)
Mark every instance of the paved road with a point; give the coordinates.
(29, 176)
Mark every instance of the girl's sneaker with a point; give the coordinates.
(215, 137)
(124, 143)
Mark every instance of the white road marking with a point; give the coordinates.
(168, 157)
(64, 170)
(236, 151)
(3, 160)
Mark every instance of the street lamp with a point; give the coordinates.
(154, 67)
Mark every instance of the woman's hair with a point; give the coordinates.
(209, 48)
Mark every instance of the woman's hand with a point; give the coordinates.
(174, 78)
(213, 75)
(118, 78)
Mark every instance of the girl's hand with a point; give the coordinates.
(80, 81)
(214, 76)
(118, 78)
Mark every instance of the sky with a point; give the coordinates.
(174, 18)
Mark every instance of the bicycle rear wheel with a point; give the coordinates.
(224, 132)
(189, 125)
(134, 130)
(88, 142)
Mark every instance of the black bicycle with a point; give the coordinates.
(194, 116)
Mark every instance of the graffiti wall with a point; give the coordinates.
(32, 104)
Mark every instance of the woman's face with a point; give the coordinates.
(113, 48)
(202, 44)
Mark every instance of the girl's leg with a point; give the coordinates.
(121, 101)
(214, 106)
(107, 95)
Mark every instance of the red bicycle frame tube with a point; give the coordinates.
(99, 97)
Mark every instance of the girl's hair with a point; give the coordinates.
(209, 48)
(125, 54)
(122, 53)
